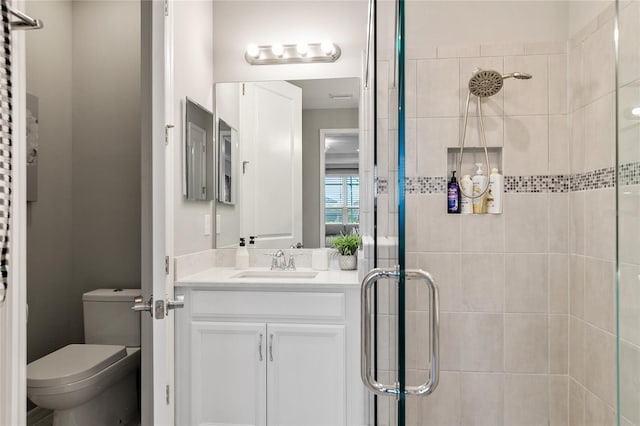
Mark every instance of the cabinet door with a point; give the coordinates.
(228, 373)
(306, 375)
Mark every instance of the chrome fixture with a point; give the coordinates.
(24, 22)
(298, 53)
(483, 84)
(366, 309)
(279, 261)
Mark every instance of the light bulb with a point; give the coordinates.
(636, 111)
(302, 48)
(253, 50)
(327, 47)
(277, 49)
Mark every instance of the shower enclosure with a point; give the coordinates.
(537, 305)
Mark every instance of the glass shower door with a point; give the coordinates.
(390, 286)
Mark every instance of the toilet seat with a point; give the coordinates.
(72, 363)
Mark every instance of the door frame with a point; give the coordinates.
(323, 134)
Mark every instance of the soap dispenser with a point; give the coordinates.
(242, 256)
(479, 186)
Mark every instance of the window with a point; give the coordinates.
(342, 199)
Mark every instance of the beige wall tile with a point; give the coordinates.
(576, 222)
(460, 51)
(629, 385)
(483, 280)
(410, 141)
(576, 350)
(526, 97)
(502, 49)
(600, 224)
(629, 55)
(629, 222)
(599, 133)
(629, 306)
(598, 63)
(597, 413)
(441, 233)
(527, 283)
(482, 401)
(437, 88)
(526, 400)
(482, 342)
(483, 233)
(558, 344)
(445, 270)
(545, 48)
(443, 406)
(599, 292)
(577, 284)
(382, 92)
(558, 401)
(451, 331)
(559, 142)
(434, 136)
(576, 404)
(411, 77)
(600, 363)
(525, 340)
(577, 146)
(558, 84)
(526, 145)
(526, 223)
(558, 283)
(576, 91)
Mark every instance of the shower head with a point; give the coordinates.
(485, 83)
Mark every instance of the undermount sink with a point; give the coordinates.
(275, 274)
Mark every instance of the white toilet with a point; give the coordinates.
(94, 383)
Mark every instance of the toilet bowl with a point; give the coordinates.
(96, 383)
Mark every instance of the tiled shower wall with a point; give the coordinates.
(527, 297)
(591, 71)
(629, 212)
(503, 279)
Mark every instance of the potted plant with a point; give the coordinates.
(347, 246)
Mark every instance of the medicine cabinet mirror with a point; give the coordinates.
(198, 153)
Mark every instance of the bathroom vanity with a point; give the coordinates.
(259, 347)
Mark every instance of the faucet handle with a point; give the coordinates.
(292, 263)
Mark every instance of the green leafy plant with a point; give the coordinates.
(347, 244)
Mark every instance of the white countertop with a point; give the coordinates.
(225, 277)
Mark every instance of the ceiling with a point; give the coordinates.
(330, 93)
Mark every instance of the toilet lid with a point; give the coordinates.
(72, 363)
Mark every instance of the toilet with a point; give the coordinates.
(93, 383)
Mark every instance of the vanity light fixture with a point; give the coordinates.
(635, 111)
(300, 53)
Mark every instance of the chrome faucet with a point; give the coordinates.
(279, 261)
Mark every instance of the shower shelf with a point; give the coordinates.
(473, 155)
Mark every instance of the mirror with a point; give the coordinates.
(227, 142)
(198, 153)
(277, 170)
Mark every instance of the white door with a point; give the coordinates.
(306, 378)
(271, 160)
(228, 373)
(157, 190)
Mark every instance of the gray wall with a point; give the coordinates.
(49, 255)
(84, 230)
(312, 121)
(193, 77)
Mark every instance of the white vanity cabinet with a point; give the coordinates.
(269, 355)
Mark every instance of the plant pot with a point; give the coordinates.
(348, 262)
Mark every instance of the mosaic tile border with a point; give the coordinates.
(628, 174)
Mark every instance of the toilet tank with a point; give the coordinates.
(108, 318)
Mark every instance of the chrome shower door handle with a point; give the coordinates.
(429, 386)
(365, 330)
(365, 365)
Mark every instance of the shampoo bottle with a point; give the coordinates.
(242, 256)
(466, 186)
(494, 194)
(453, 195)
(479, 185)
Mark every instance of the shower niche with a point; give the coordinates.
(472, 156)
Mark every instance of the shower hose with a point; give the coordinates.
(484, 145)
